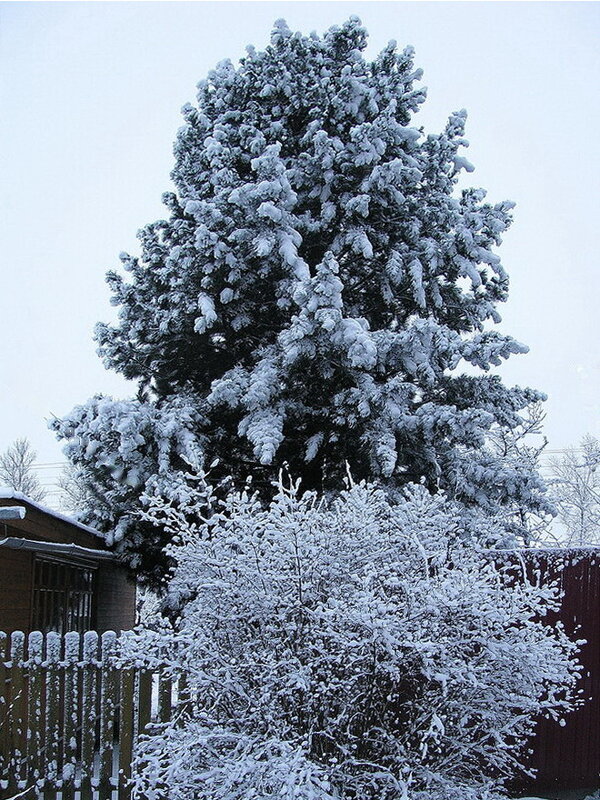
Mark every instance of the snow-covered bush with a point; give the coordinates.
(351, 649)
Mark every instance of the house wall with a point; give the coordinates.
(116, 597)
(15, 589)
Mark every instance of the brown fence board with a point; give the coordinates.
(109, 702)
(36, 685)
(52, 732)
(4, 705)
(127, 710)
(72, 725)
(144, 715)
(17, 710)
(89, 708)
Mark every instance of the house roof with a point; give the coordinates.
(56, 548)
(6, 493)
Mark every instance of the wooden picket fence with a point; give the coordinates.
(69, 718)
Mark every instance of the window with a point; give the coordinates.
(62, 596)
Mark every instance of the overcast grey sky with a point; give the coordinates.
(90, 97)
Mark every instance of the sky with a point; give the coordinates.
(91, 95)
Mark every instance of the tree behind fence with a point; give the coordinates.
(69, 718)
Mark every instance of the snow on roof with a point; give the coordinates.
(56, 547)
(6, 493)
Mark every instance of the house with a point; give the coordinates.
(57, 574)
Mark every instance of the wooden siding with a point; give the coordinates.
(15, 589)
(115, 599)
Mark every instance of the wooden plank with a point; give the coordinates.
(144, 704)
(18, 711)
(117, 609)
(4, 702)
(71, 729)
(35, 706)
(89, 709)
(109, 700)
(127, 707)
(52, 732)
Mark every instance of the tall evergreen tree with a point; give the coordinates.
(311, 299)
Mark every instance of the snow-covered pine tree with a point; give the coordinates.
(312, 298)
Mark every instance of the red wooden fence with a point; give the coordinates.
(567, 756)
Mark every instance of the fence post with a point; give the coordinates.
(4, 708)
(109, 688)
(126, 732)
(71, 714)
(52, 733)
(144, 712)
(35, 742)
(18, 710)
(89, 710)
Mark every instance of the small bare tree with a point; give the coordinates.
(76, 496)
(575, 486)
(16, 469)
(521, 448)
